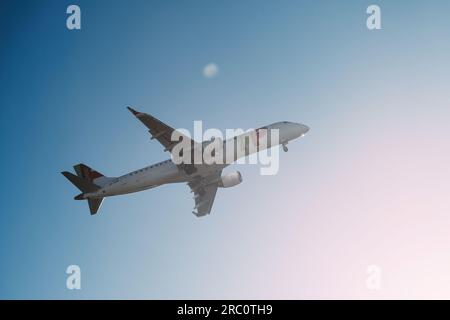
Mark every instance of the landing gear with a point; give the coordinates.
(285, 148)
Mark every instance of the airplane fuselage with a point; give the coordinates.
(168, 172)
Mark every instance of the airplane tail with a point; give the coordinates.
(87, 180)
(87, 173)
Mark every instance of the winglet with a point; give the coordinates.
(133, 111)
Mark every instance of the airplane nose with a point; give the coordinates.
(297, 130)
(304, 128)
(301, 129)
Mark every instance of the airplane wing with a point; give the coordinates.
(158, 129)
(204, 189)
(163, 133)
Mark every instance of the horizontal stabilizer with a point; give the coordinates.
(94, 204)
(84, 185)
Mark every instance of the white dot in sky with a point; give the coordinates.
(210, 70)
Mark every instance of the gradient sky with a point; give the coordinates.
(368, 185)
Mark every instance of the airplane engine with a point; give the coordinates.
(230, 180)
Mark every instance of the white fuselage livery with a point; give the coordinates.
(168, 172)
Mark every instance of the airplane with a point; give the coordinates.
(203, 179)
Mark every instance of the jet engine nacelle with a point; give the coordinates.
(230, 180)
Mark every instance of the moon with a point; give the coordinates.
(210, 70)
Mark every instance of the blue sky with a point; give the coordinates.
(368, 185)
